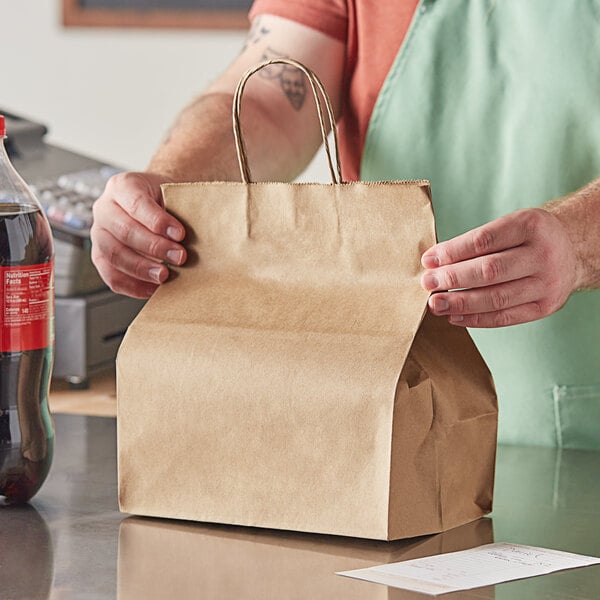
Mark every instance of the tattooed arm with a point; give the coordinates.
(132, 235)
(278, 118)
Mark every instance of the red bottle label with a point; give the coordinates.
(27, 302)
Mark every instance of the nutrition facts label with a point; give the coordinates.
(26, 295)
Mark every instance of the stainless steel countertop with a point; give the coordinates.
(73, 543)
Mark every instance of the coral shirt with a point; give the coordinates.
(373, 31)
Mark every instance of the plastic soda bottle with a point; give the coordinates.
(26, 336)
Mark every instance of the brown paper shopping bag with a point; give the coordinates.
(285, 376)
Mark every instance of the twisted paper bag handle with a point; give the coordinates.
(318, 91)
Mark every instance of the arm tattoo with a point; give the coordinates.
(256, 33)
(289, 78)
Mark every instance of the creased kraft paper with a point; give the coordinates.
(286, 376)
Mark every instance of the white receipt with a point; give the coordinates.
(467, 569)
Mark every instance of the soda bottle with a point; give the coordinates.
(26, 336)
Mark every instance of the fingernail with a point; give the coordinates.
(155, 273)
(174, 233)
(430, 261)
(440, 304)
(456, 318)
(175, 256)
(430, 282)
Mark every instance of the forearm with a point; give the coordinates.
(200, 146)
(278, 115)
(580, 215)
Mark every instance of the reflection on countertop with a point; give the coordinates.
(73, 543)
(78, 506)
(233, 562)
(26, 555)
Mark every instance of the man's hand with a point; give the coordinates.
(133, 235)
(515, 269)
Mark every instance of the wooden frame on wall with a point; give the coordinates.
(79, 13)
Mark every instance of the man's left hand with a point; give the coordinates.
(515, 269)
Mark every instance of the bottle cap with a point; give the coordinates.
(2, 126)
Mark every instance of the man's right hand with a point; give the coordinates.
(133, 236)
